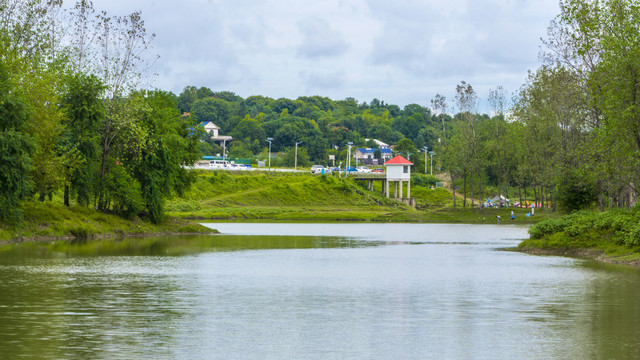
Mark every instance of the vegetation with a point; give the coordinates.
(52, 221)
(72, 121)
(302, 196)
(76, 128)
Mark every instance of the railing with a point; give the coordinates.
(366, 176)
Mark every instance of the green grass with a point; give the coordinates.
(300, 196)
(613, 235)
(51, 220)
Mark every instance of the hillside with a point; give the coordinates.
(302, 196)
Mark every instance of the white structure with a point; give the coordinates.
(213, 130)
(380, 144)
(398, 172)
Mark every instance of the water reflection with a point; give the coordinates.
(176, 246)
(313, 297)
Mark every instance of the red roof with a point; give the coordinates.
(398, 160)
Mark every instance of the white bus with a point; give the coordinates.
(219, 164)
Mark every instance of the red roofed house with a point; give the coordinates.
(399, 171)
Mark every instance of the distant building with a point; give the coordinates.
(213, 130)
(367, 155)
(380, 144)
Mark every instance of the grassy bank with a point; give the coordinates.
(223, 195)
(611, 236)
(44, 221)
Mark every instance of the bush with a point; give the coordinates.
(423, 180)
(575, 191)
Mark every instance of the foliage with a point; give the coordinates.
(16, 150)
(620, 226)
(576, 191)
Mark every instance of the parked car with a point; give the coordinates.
(335, 169)
(364, 169)
(377, 171)
(350, 169)
(318, 169)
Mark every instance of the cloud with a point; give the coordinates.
(402, 51)
(320, 40)
(323, 81)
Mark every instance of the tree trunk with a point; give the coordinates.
(471, 182)
(464, 186)
(66, 195)
(453, 188)
(479, 187)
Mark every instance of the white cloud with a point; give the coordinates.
(319, 40)
(401, 52)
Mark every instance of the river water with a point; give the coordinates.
(315, 291)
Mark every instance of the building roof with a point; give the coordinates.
(205, 123)
(371, 151)
(378, 142)
(398, 160)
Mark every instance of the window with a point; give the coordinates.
(405, 169)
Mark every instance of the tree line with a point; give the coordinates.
(73, 121)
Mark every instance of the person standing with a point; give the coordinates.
(513, 216)
(532, 207)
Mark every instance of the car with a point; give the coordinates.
(377, 171)
(335, 169)
(350, 169)
(318, 169)
(364, 169)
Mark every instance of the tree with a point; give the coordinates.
(289, 159)
(187, 97)
(16, 149)
(158, 144)
(466, 101)
(215, 110)
(405, 148)
(85, 111)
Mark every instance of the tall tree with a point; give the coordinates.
(16, 150)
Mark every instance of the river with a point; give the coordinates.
(315, 291)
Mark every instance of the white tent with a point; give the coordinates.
(499, 199)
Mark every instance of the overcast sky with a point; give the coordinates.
(398, 51)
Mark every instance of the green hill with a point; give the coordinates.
(302, 196)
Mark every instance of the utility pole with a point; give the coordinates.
(425, 159)
(269, 140)
(296, 161)
(348, 159)
(432, 153)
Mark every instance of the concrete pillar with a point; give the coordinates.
(386, 183)
(401, 181)
(395, 189)
(409, 189)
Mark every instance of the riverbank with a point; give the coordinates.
(612, 236)
(50, 221)
(621, 257)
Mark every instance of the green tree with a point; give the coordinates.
(159, 145)
(16, 149)
(405, 148)
(85, 111)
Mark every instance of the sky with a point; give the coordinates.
(400, 52)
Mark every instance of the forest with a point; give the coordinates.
(74, 120)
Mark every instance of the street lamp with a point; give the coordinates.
(425, 159)
(296, 161)
(269, 140)
(431, 153)
(348, 159)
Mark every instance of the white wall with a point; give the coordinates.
(396, 172)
